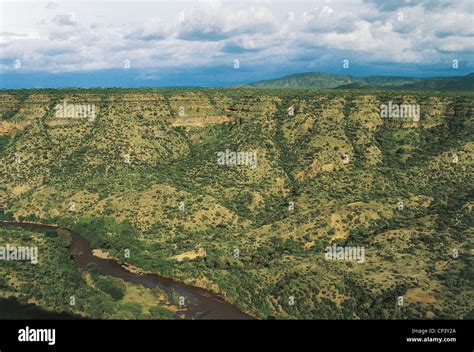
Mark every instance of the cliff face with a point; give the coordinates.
(303, 170)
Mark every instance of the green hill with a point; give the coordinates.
(316, 170)
(306, 80)
(444, 83)
(326, 80)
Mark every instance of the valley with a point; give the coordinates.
(153, 186)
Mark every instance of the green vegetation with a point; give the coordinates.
(58, 289)
(143, 179)
(327, 80)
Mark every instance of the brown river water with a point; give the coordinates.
(199, 303)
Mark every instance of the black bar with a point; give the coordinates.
(317, 335)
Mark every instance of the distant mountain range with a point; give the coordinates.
(328, 80)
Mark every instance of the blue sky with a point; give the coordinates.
(221, 43)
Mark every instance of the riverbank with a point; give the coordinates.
(200, 303)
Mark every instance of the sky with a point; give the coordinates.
(104, 43)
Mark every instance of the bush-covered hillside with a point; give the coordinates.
(144, 175)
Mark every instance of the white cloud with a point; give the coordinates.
(92, 36)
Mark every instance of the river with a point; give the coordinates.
(199, 303)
